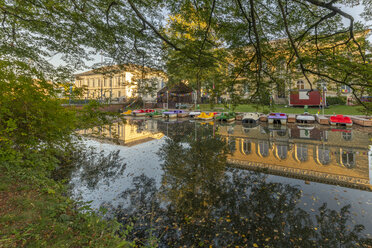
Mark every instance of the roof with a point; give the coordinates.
(176, 88)
(113, 69)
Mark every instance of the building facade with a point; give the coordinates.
(119, 83)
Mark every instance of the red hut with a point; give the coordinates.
(304, 97)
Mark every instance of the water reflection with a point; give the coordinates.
(304, 152)
(239, 209)
(208, 191)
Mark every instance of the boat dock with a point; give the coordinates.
(322, 120)
(362, 121)
(291, 118)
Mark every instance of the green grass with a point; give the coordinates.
(335, 109)
(34, 213)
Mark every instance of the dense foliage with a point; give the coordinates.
(338, 100)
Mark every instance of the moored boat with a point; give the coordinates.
(250, 118)
(128, 112)
(154, 114)
(228, 117)
(141, 112)
(182, 114)
(194, 113)
(138, 112)
(305, 118)
(205, 116)
(277, 118)
(170, 114)
(340, 120)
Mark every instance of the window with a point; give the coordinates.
(347, 136)
(348, 159)
(263, 148)
(231, 144)
(280, 88)
(324, 155)
(301, 152)
(110, 82)
(104, 82)
(247, 146)
(119, 93)
(281, 151)
(246, 89)
(345, 89)
(300, 84)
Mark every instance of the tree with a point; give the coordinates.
(201, 61)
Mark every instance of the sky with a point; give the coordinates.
(354, 11)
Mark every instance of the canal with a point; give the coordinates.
(187, 183)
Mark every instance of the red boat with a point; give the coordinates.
(142, 112)
(341, 120)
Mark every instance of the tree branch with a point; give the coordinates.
(293, 44)
(162, 37)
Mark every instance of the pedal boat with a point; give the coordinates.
(128, 112)
(205, 116)
(305, 118)
(194, 113)
(142, 112)
(277, 118)
(154, 114)
(250, 118)
(227, 117)
(340, 120)
(170, 114)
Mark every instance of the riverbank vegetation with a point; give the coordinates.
(334, 109)
(36, 138)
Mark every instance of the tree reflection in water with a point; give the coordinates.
(94, 167)
(203, 202)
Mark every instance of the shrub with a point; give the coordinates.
(336, 100)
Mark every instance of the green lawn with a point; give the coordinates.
(335, 109)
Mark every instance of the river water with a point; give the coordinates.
(187, 183)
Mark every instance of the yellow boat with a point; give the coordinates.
(205, 116)
(128, 112)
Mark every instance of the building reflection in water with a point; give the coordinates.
(133, 132)
(335, 156)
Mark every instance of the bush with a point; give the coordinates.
(336, 100)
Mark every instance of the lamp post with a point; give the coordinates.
(323, 84)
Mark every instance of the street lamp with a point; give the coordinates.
(323, 85)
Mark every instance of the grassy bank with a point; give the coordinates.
(334, 109)
(35, 213)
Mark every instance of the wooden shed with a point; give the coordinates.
(176, 94)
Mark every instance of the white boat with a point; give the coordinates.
(305, 118)
(250, 118)
(194, 113)
(170, 114)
